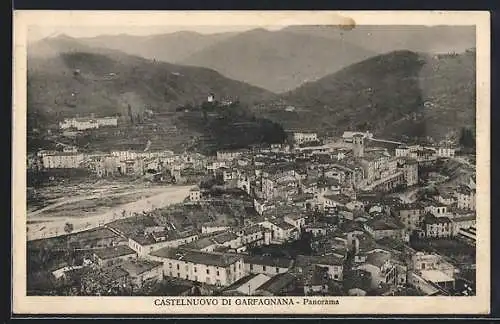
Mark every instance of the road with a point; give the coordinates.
(54, 226)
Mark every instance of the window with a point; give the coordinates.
(187, 277)
(170, 265)
(251, 267)
(208, 271)
(239, 266)
(195, 269)
(178, 275)
(195, 278)
(263, 268)
(218, 273)
(277, 270)
(178, 267)
(335, 276)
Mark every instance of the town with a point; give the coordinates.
(352, 215)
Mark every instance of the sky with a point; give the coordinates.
(39, 32)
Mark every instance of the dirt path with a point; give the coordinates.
(54, 226)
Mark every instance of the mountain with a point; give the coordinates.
(171, 48)
(66, 78)
(63, 70)
(401, 93)
(277, 60)
(387, 38)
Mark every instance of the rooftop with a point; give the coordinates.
(137, 267)
(305, 260)
(213, 259)
(113, 252)
(277, 283)
(267, 261)
(435, 276)
(378, 258)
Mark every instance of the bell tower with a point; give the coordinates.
(358, 145)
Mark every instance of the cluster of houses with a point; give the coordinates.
(337, 196)
(85, 123)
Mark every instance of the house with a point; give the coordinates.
(462, 221)
(230, 155)
(318, 229)
(279, 285)
(281, 231)
(437, 209)
(466, 198)
(422, 262)
(316, 280)
(195, 194)
(246, 285)
(143, 244)
(254, 235)
(266, 265)
(301, 138)
(141, 271)
(296, 220)
(380, 228)
(348, 135)
(220, 269)
(62, 160)
(437, 227)
(468, 235)
(333, 263)
(410, 215)
(381, 268)
(113, 255)
(445, 198)
(207, 228)
(445, 152)
(357, 282)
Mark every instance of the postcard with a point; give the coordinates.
(246, 162)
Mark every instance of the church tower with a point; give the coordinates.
(358, 145)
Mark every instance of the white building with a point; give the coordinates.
(301, 138)
(211, 268)
(62, 160)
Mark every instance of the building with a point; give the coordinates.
(230, 155)
(281, 231)
(468, 235)
(195, 194)
(302, 138)
(410, 171)
(410, 215)
(463, 221)
(466, 198)
(218, 269)
(381, 228)
(211, 97)
(358, 145)
(445, 152)
(422, 261)
(296, 220)
(437, 227)
(145, 243)
(348, 136)
(333, 263)
(381, 268)
(316, 280)
(266, 265)
(142, 271)
(279, 285)
(246, 285)
(113, 255)
(62, 160)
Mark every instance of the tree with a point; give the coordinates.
(467, 138)
(68, 228)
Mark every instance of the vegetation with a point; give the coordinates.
(395, 94)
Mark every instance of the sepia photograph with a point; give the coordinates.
(294, 163)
